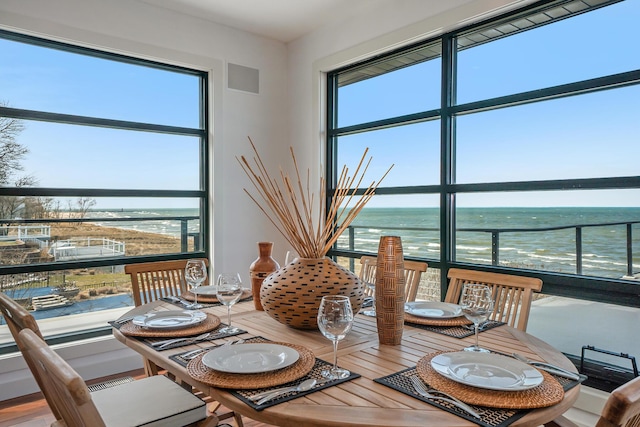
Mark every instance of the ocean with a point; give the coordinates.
(604, 248)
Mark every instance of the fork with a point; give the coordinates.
(165, 343)
(123, 320)
(420, 388)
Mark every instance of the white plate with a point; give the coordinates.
(171, 319)
(250, 358)
(487, 370)
(205, 290)
(433, 309)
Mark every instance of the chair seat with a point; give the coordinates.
(152, 401)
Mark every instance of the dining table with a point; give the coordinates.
(378, 392)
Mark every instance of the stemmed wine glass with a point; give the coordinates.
(195, 273)
(335, 319)
(229, 291)
(476, 302)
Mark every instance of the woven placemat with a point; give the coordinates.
(456, 321)
(461, 331)
(489, 417)
(209, 324)
(190, 296)
(300, 368)
(549, 393)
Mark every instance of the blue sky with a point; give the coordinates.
(578, 137)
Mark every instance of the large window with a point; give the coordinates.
(103, 163)
(515, 144)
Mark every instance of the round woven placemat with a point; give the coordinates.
(456, 321)
(190, 296)
(299, 369)
(209, 324)
(546, 394)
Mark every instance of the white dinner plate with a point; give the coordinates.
(433, 309)
(171, 319)
(487, 370)
(250, 358)
(205, 290)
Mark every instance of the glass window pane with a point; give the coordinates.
(39, 78)
(68, 156)
(538, 230)
(110, 227)
(391, 147)
(573, 137)
(405, 90)
(415, 218)
(564, 52)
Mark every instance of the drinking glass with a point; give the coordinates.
(229, 291)
(335, 319)
(195, 273)
(477, 304)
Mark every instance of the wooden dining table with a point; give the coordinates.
(360, 401)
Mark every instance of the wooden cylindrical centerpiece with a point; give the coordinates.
(390, 290)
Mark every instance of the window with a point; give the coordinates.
(525, 162)
(104, 164)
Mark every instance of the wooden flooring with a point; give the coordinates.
(32, 410)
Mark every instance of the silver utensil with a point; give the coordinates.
(190, 340)
(421, 389)
(303, 386)
(184, 303)
(123, 320)
(552, 369)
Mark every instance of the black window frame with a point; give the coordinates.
(614, 291)
(202, 248)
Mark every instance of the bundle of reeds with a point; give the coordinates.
(292, 208)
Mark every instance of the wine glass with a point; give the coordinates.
(195, 273)
(476, 302)
(335, 319)
(229, 291)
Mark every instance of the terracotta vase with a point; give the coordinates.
(390, 290)
(292, 294)
(260, 269)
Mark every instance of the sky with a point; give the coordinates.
(578, 137)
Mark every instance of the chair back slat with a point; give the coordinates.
(64, 388)
(412, 273)
(18, 318)
(151, 281)
(512, 294)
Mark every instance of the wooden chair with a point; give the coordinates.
(18, 318)
(512, 294)
(412, 273)
(151, 281)
(622, 408)
(150, 401)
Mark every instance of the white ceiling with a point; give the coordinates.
(283, 20)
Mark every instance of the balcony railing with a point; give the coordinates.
(497, 232)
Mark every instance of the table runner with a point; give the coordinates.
(490, 417)
(245, 395)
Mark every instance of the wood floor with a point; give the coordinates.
(32, 410)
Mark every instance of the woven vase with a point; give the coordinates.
(390, 290)
(292, 294)
(260, 269)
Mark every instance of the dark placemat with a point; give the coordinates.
(316, 372)
(490, 417)
(215, 335)
(457, 331)
(245, 395)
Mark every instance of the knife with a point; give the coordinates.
(552, 369)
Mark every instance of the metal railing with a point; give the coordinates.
(496, 232)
